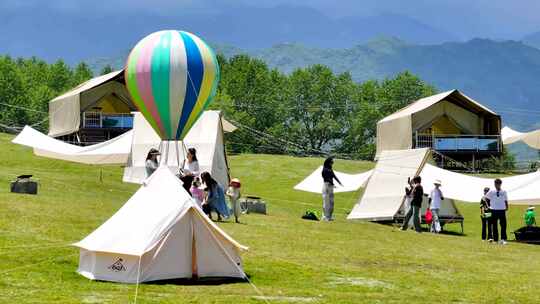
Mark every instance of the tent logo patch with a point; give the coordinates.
(118, 266)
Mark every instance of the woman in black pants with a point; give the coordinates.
(485, 216)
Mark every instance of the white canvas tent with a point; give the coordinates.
(384, 196)
(130, 149)
(206, 136)
(113, 151)
(65, 110)
(351, 182)
(396, 131)
(522, 189)
(532, 138)
(160, 233)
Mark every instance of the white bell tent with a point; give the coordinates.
(206, 136)
(160, 233)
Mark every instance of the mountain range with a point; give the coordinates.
(51, 33)
(504, 75)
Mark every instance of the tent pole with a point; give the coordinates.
(177, 154)
(167, 153)
(194, 270)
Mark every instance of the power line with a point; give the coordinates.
(22, 108)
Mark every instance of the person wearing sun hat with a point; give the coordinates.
(434, 203)
(530, 217)
(233, 192)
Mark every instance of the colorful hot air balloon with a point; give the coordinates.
(172, 77)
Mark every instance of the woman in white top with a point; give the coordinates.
(190, 169)
(151, 163)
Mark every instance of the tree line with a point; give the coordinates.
(310, 111)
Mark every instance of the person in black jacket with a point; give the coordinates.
(417, 194)
(485, 216)
(328, 189)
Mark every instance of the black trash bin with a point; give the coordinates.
(24, 184)
(528, 234)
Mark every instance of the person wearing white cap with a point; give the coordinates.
(435, 199)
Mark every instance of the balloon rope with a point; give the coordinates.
(160, 149)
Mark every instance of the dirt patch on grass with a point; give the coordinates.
(287, 299)
(360, 281)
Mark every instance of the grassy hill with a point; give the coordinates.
(290, 260)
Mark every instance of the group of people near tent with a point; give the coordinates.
(493, 205)
(414, 193)
(203, 188)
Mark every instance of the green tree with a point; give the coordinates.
(60, 77)
(254, 96)
(81, 74)
(12, 93)
(106, 70)
(374, 101)
(318, 107)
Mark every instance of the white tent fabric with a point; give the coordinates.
(395, 132)
(113, 151)
(532, 139)
(160, 233)
(132, 147)
(384, 194)
(206, 136)
(351, 182)
(65, 110)
(522, 189)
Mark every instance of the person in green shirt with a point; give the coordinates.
(530, 219)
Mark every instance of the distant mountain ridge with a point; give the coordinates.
(53, 34)
(503, 75)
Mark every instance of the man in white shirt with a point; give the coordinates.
(498, 204)
(435, 199)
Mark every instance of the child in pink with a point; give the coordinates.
(196, 192)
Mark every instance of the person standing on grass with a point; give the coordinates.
(215, 197)
(530, 217)
(408, 199)
(435, 199)
(416, 203)
(485, 216)
(498, 203)
(328, 189)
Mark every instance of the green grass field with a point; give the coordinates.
(290, 260)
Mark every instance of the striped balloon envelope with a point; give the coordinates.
(172, 77)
